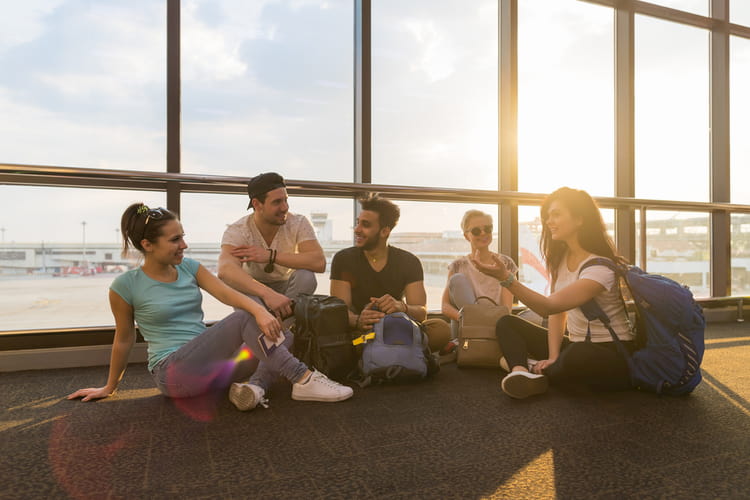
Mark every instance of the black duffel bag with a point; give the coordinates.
(321, 335)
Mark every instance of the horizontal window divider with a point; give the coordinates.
(34, 175)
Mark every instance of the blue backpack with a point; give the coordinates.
(669, 331)
(395, 350)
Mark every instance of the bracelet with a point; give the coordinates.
(507, 281)
(271, 259)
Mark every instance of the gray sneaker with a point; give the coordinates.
(247, 396)
(521, 385)
(320, 388)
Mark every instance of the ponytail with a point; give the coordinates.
(140, 222)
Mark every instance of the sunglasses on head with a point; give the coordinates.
(476, 231)
(152, 213)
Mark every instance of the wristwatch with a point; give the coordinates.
(507, 281)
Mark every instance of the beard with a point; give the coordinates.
(275, 220)
(371, 243)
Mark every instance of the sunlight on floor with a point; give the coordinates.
(132, 394)
(536, 480)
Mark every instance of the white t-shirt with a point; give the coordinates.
(609, 300)
(244, 232)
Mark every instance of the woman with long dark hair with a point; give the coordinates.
(573, 234)
(185, 358)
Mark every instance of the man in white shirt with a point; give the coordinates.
(272, 254)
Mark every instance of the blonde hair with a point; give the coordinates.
(468, 215)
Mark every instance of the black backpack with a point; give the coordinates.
(321, 335)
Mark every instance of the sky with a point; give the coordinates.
(268, 86)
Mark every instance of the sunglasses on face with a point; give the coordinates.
(476, 231)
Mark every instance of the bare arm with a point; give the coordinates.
(416, 300)
(231, 273)
(556, 330)
(413, 306)
(343, 290)
(506, 298)
(267, 322)
(121, 347)
(570, 297)
(309, 256)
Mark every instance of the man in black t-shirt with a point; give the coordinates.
(374, 278)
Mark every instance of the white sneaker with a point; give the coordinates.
(521, 385)
(247, 396)
(320, 388)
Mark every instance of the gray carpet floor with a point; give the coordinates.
(456, 436)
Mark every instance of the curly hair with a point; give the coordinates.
(388, 212)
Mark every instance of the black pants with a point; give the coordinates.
(599, 365)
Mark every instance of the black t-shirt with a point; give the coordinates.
(351, 265)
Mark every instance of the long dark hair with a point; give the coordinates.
(592, 236)
(140, 222)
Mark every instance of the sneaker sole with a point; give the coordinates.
(522, 387)
(242, 397)
(333, 399)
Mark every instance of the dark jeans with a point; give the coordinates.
(599, 365)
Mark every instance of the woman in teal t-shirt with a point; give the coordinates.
(184, 357)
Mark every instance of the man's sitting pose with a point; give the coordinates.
(272, 253)
(374, 278)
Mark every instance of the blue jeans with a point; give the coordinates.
(300, 281)
(207, 362)
(461, 293)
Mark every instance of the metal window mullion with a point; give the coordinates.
(624, 161)
(508, 125)
(362, 96)
(721, 255)
(173, 103)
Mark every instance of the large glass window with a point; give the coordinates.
(565, 97)
(671, 111)
(740, 254)
(739, 12)
(695, 6)
(432, 232)
(331, 218)
(434, 93)
(83, 83)
(59, 254)
(268, 86)
(740, 119)
(678, 246)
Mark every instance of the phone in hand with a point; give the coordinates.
(268, 345)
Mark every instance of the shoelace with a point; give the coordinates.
(263, 402)
(329, 382)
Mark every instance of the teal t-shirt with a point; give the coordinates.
(168, 314)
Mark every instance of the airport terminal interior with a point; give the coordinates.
(441, 106)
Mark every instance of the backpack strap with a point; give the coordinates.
(593, 311)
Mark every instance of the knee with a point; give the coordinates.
(438, 333)
(504, 325)
(457, 280)
(305, 280)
